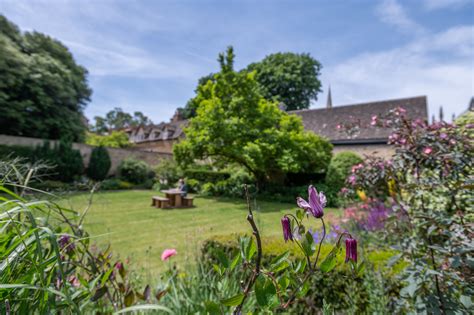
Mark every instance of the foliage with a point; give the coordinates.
(43, 92)
(167, 173)
(99, 164)
(48, 265)
(234, 123)
(65, 162)
(206, 176)
(276, 285)
(288, 78)
(115, 184)
(134, 171)
(116, 139)
(430, 183)
(117, 119)
(340, 167)
(333, 287)
(196, 289)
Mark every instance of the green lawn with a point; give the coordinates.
(140, 232)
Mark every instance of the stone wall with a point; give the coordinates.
(116, 155)
(382, 150)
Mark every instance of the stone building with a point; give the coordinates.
(368, 140)
(158, 138)
(322, 121)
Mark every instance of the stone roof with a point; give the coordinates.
(324, 121)
(162, 131)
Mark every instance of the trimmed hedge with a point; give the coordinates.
(99, 164)
(334, 287)
(206, 176)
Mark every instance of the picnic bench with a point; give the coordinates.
(160, 202)
(188, 201)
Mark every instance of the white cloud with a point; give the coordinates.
(438, 65)
(445, 4)
(391, 12)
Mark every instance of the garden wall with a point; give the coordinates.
(116, 155)
(382, 150)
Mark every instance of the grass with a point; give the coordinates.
(140, 232)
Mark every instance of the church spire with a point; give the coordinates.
(329, 102)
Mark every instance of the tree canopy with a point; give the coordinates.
(235, 123)
(43, 91)
(118, 119)
(288, 78)
(115, 139)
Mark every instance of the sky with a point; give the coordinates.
(148, 55)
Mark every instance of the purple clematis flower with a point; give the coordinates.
(316, 203)
(286, 225)
(351, 249)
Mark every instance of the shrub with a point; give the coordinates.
(115, 184)
(13, 151)
(333, 287)
(339, 168)
(99, 164)
(168, 173)
(49, 266)
(206, 176)
(134, 171)
(67, 160)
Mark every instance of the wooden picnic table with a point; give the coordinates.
(174, 195)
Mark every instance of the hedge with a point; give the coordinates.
(206, 176)
(334, 287)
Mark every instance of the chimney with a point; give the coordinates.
(178, 116)
(329, 101)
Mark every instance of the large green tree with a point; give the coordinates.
(118, 119)
(288, 78)
(43, 91)
(235, 123)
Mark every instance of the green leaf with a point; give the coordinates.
(250, 249)
(301, 266)
(144, 307)
(280, 262)
(330, 261)
(106, 276)
(100, 292)
(284, 282)
(237, 259)
(264, 290)
(466, 301)
(222, 257)
(307, 243)
(129, 298)
(300, 214)
(212, 308)
(233, 301)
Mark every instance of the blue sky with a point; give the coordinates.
(148, 55)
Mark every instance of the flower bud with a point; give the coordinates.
(286, 225)
(351, 249)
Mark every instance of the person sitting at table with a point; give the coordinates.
(183, 187)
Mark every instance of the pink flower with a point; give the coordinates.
(443, 135)
(427, 150)
(167, 253)
(74, 281)
(352, 180)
